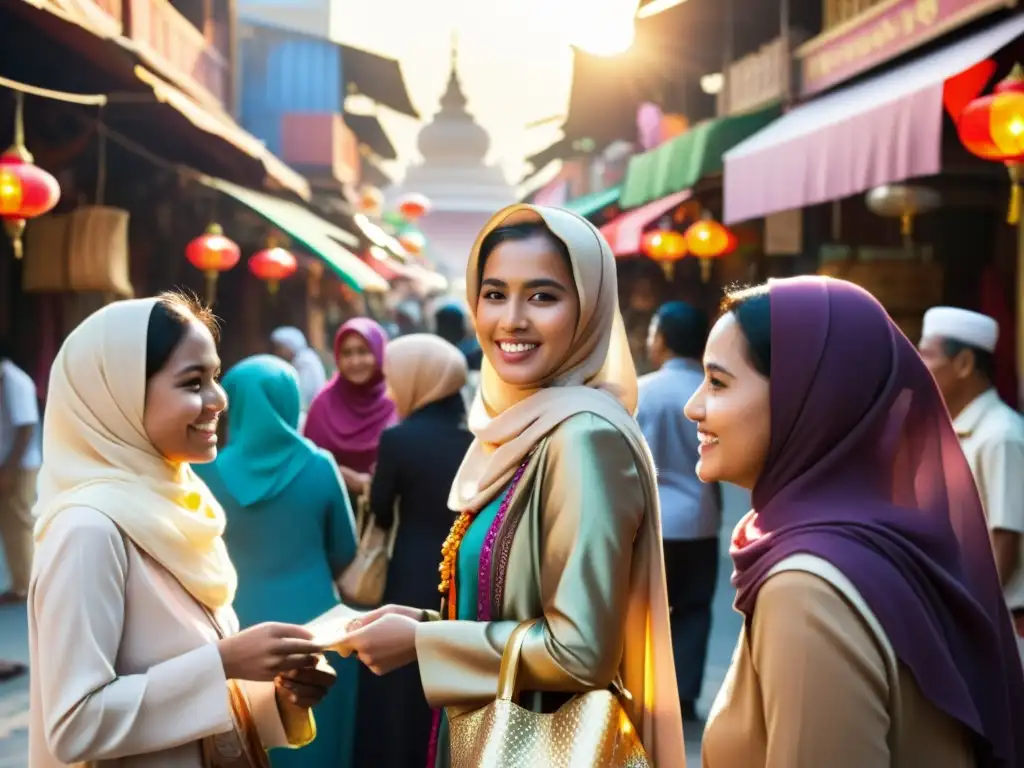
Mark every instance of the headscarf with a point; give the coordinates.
(305, 360)
(347, 419)
(265, 451)
(421, 369)
(97, 454)
(597, 376)
(865, 471)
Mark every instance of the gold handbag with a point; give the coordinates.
(364, 580)
(591, 730)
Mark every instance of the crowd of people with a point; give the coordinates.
(534, 493)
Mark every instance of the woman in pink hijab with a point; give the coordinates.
(350, 413)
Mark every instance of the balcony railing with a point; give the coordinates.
(179, 48)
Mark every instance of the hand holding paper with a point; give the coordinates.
(330, 629)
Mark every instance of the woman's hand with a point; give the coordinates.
(306, 687)
(416, 614)
(385, 644)
(267, 650)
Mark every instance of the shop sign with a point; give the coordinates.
(757, 80)
(882, 33)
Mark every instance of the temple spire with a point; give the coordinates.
(454, 100)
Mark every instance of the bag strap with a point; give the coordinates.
(510, 660)
(366, 520)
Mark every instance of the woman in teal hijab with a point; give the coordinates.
(290, 531)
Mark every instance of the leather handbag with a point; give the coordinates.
(592, 729)
(364, 580)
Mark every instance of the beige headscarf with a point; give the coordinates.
(596, 377)
(421, 369)
(97, 454)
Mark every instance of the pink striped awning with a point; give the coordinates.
(625, 232)
(879, 131)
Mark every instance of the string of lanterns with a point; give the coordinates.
(409, 208)
(213, 252)
(705, 239)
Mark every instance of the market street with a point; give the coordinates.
(14, 645)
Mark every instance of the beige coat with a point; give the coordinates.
(125, 668)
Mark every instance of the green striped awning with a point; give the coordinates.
(588, 205)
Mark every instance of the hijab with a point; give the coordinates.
(597, 376)
(305, 360)
(97, 455)
(421, 369)
(865, 471)
(265, 451)
(347, 419)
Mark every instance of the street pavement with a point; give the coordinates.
(725, 629)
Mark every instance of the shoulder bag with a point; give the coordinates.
(363, 581)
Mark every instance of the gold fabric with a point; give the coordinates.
(586, 542)
(421, 369)
(96, 454)
(591, 729)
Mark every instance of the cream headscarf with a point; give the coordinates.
(597, 376)
(421, 369)
(97, 454)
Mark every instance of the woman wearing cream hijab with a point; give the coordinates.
(558, 505)
(135, 656)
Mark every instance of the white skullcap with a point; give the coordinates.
(970, 328)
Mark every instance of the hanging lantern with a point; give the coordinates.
(664, 246)
(992, 127)
(371, 201)
(272, 265)
(902, 201)
(413, 241)
(212, 253)
(26, 190)
(413, 206)
(707, 240)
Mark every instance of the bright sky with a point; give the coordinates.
(514, 60)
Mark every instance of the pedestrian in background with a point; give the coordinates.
(691, 513)
(290, 344)
(416, 464)
(875, 630)
(290, 531)
(958, 347)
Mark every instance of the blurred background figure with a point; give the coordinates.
(350, 413)
(958, 345)
(20, 457)
(290, 531)
(416, 466)
(290, 344)
(452, 325)
(691, 511)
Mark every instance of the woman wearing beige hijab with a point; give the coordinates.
(416, 465)
(558, 507)
(136, 659)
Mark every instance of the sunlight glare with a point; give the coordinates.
(599, 27)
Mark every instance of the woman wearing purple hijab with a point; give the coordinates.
(350, 413)
(875, 632)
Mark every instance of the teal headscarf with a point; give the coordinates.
(265, 451)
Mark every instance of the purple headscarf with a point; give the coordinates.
(348, 419)
(865, 471)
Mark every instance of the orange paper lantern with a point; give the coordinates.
(273, 265)
(992, 127)
(413, 206)
(212, 253)
(707, 239)
(413, 241)
(665, 247)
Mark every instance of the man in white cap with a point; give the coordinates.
(958, 345)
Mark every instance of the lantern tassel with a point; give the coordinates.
(669, 268)
(272, 286)
(1013, 216)
(705, 269)
(15, 228)
(907, 225)
(211, 286)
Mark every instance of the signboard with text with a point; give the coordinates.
(882, 33)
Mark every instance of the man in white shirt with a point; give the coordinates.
(20, 457)
(957, 345)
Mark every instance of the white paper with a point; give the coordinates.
(330, 629)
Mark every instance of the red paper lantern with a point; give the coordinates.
(413, 206)
(412, 241)
(992, 127)
(664, 246)
(707, 239)
(212, 253)
(26, 190)
(272, 265)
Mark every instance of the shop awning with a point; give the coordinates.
(370, 132)
(588, 205)
(316, 235)
(881, 130)
(625, 233)
(378, 78)
(680, 163)
(390, 269)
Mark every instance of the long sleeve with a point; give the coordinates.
(384, 488)
(341, 527)
(89, 712)
(591, 509)
(823, 678)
